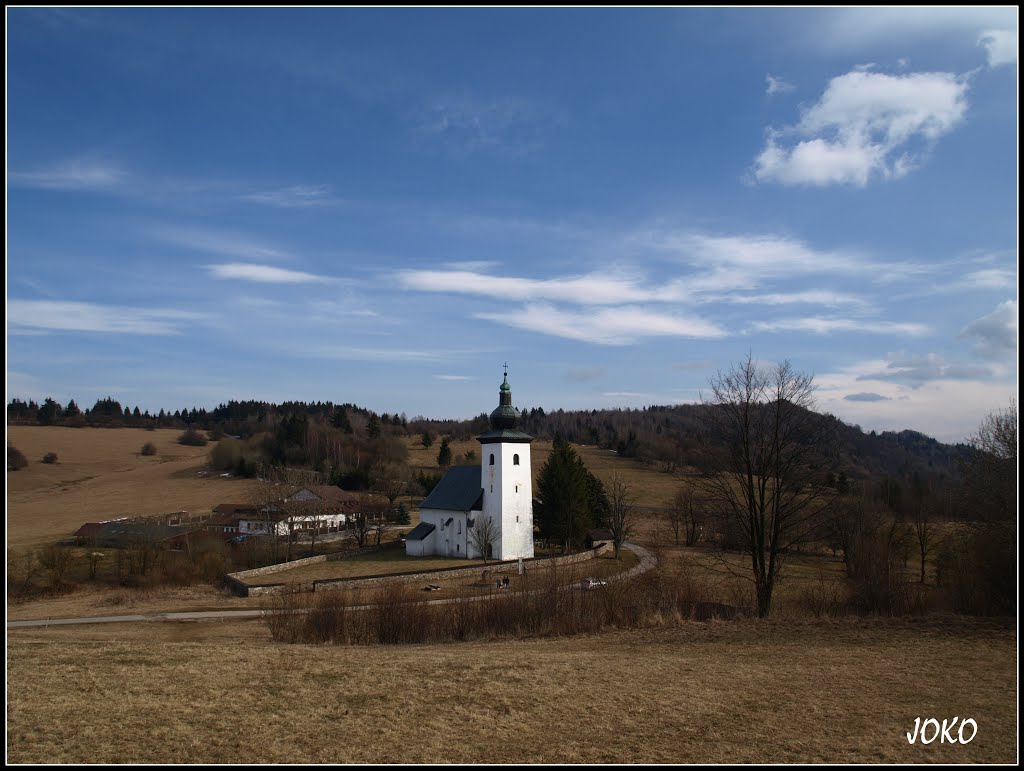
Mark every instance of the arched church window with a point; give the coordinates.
(515, 459)
(492, 458)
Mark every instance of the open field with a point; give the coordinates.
(101, 475)
(748, 691)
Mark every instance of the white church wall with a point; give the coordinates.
(508, 497)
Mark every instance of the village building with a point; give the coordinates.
(495, 498)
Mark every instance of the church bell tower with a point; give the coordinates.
(507, 479)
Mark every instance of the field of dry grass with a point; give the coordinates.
(101, 475)
(718, 692)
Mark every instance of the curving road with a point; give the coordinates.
(647, 561)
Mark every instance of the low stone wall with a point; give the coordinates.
(238, 581)
(331, 584)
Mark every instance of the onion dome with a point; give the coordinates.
(505, 416)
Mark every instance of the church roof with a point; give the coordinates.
(458, 490)
(421, 531)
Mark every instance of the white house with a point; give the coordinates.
(496, 497)
(324, 507)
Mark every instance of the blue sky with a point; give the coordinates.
(382, 206)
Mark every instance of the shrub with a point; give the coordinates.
(15, 459)
(50, 457)
(193, 438)
(149, 449)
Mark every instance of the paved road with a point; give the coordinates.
(647, 561)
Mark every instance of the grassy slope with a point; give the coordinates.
(100, 475)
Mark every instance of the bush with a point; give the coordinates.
(15, 459)
(193, 438)
(50, 457)
(149, 449)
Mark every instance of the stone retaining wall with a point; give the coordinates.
(331, 584)
(238, 580)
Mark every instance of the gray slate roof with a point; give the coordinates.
(458, 490)
(421, 531)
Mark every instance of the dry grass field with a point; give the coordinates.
(717, 692)
(101, 475)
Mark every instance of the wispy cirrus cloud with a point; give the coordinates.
(294, 197)
(69, 316)
(809, 297)
(222, 242)
(777, 85)
(83, 174)
(592, 289)
(866, 125)
(468, 124)
(606, 326)
(824, 326)
(264, 274)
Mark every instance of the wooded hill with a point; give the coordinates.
(319, 434)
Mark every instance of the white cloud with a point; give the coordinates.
(354, 353)
(294, 197)
(454, 377)
(1001, 45)
(996, 332)
(777, 85)
(265, 274)
(866, 125)
(608, 326)
(633, 394)
(820, 326)
(77, 175)
(593, 289)
(64, 316)
(810, 297)
(468, 123)
(219, 242)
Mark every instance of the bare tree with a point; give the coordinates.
(683, 516)
(392, 482)
(767, 448)
(990, 477)
(361, 527)
(483, 533)
(621, 511)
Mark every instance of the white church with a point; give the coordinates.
(495, 499)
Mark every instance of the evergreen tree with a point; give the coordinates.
(72, 410)
(50, 412)
(340, 420)
(444, 455)
(373, 427)
(564, 493)
(402, 514)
